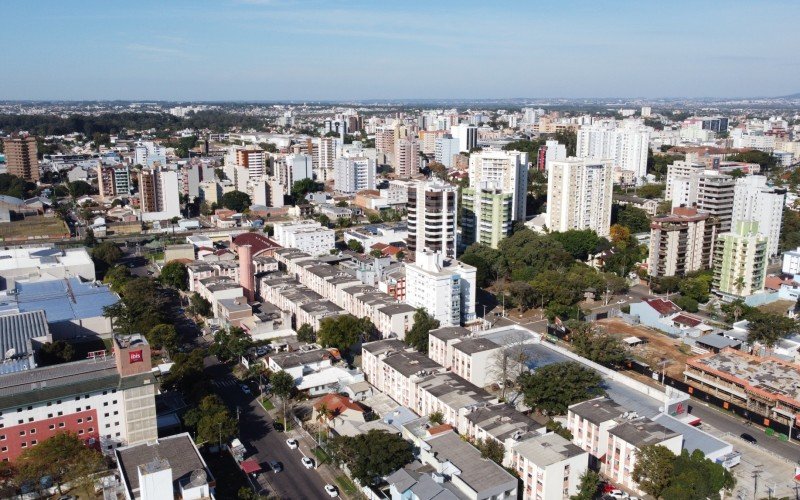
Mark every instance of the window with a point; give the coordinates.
(116, 424)
(105, 404)
(108, 425)
(105, 392)
(90, 429)
(19, 421)
(114, 402)
(116, 413)
(60, 413)
(58, 402)
(33, 431)
(52, 426)
(49, 403)
(49, 415)
(88, 419)
(106, 415)
(34, 442)
(21, 433)
(117, 434)
(77, 398)
(80, 432)
(30, 419)
(60, 424)
(113, 391)
(4, 449)
(19, 410)
(80, 420)
(23, 444)
(31, 407)
(2, 437)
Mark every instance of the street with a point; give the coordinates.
(256, 432)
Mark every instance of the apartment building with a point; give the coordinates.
(692, 185)
(21, 157)
(467, 136)
(549, 466)
(740, 261)
(353, 174)
(113, 181)
(503, 170)
(445, 288)
(308, 236)
(148, 153)
(754, 200)
(406, 157)
(394, 369)
(487, 215)
(625, 143)
(432, 210)
(681, 242)
(108, 401)
(502, 423)
(328, 150)
(445, 148)
(579, 193)
(159, 194)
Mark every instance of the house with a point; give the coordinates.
(313, 370)
(341, 414)
(665, 315)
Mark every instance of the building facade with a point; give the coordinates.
(579, 193)
(681, 242)
(21, 157)
(754, 200)
(354, 174)
(445, 288)
(740, 261)
(432, 210)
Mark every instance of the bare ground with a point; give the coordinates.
(658, 345)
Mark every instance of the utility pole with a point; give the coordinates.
(756, 473)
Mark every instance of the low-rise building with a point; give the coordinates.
(549, 466)
(624, 442)
(44, 263)
(305, 235)
(314, 370)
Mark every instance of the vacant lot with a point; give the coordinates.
(657, 347)
(34, 227)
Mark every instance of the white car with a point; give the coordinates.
(617, 494)
(331, 490)
(292, 444)
(307, 463)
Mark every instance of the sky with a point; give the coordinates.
(408, 49)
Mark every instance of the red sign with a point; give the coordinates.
(136, 356)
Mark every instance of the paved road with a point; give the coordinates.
(257, 434)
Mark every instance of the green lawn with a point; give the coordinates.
(322, 456)
(267, 404)
(346, 485)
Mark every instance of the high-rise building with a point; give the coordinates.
(467, 136)
(445, 148)
(625, 144)
(681, 242)
(21, 157)
(444, 287)
(432, 211)
(406, 157)
(740, 261)
(754, 200)
(113, 181)
(486, 215)
(691, 185)
(159, 194)
(148, 152)
(254, 160)
(329, 149)
(579, 195)
(354, 174)
(553, 151)
(505, 170)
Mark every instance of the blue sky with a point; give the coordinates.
(284, 49)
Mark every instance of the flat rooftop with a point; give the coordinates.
(642, 432)
(598, 410)
(769, 376)
(547, 449)
(480, 474)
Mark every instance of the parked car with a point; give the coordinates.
(331, 490)
(246, 389)
(747, 437)
(277, 426)
(617, 494)
(275, 466)
(307, 462)
(292, 444)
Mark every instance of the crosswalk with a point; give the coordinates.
(225, 382)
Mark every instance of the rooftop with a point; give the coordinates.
(642, 432)
(64, 300)
(718, 341)
(454, 391)
(474, 345)
(298, 358)
(179, 451)
(663, 306)
(409, 363)
(598, 410)
(502, 421)
(547, 449)
(450, 332)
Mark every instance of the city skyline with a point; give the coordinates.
(284, 50)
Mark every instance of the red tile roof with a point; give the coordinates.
(260, 242)
(663, 306)
(439, 429)
(683, 319)
(338, 404)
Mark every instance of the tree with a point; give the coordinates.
(355, 246)
(304, 186)
(143, 305)
(768, 328)
(486, 260)
(236, 201)
(436, 418)
(589, 487)
(343, 331)
(372, 455)
(324, 220)
(491, 449)
(556, 427)
(211, 421)
(89, 240)
(578, 243)
(198, 305)
(64, 457)
(56, 352)
(635, 219)
(687, 304)
(697, 287)
(187, 376)
(651, 191)
(552, 388)
(282, 386)
(231, 344)
(694, 477)
(596, 344)
(526, 254)
(437, 169)
(620, 236)
(79, 188)
(417, 336)
(509, 361)
(107, 252)
(653, 469)
(374, 218)
(306, 334)
(175, 274)
(163, 336)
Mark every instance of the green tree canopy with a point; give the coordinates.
(491, 449)
(211, 421)
(282, 384)
(163, 336)
(578, 243)
(198, 305)
(589, 487)
(175, 274)
(306, 334)
(56, 352)
(768, 328)
(343, 331)
(417, 336)
(486, 260)
(79, 188)
(187, 375)
(526, 254)
(231, 344)
(304, 186)
(355, 246)
(64, 457)
(595, 344)
(372, 455)
(635, 219)
(107, 253)
(552, 388)
(236, 201)
(143, 305)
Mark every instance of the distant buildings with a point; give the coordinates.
(445, 288)
(445, 148)
(147, 153)
(467, 136)
(681, 242)
(740, 261)
(354, 174)
(159, 194)
(691, 185)
(432, 211)
(21, 157)
(753, 200)
(329, 149)
(579, 193)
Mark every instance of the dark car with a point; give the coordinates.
(277, 426)
(275, 466)
(747, 437)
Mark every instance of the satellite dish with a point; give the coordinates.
(198, 477)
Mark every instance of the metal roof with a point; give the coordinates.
(64, 300)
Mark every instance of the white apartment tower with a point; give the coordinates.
(506, 170)
(444, 287)
(467, 136)
(579, 195)
(159, 194)
(329, 149)
(625, 143)
(432, 210)
(406, 157)
(754, 200)
(353, 174)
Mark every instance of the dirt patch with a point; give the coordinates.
(658, 346)
(778, 307)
